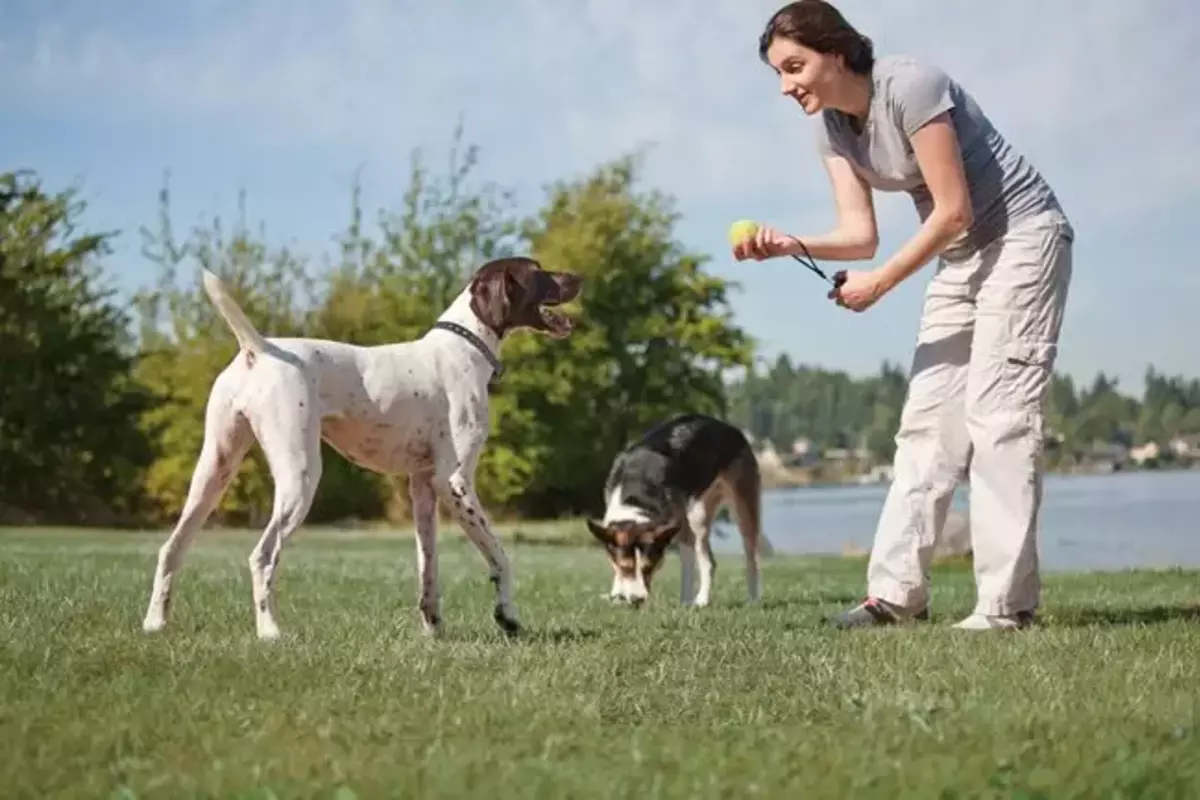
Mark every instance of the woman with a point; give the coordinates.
(989, 329)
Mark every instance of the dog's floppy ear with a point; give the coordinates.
(599, 531)
(663, 537)
(489, 296)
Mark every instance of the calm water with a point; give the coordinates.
(1105, 522)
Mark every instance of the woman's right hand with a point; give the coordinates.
(765, 243)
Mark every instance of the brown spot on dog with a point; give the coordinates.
(249, 359)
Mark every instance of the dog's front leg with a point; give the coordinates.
(459, 495)
(424, 508)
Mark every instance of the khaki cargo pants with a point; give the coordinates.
(980, 379)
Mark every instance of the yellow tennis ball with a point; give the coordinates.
(742, 230)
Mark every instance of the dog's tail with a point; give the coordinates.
(746, 481)
(247, 335)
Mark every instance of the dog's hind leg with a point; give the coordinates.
(289, 430)
(687, 565)
(227, 437)
(424, 510)
(743, 484)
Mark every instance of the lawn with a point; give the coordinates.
(594, 701)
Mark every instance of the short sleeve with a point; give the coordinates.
(920, 93)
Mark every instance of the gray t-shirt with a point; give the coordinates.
(906, 94)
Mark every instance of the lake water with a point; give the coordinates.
(1088, 522)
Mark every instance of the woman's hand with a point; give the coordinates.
(765, 243)
(858, 291)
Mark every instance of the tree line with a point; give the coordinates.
(102, 399)
(785, 402)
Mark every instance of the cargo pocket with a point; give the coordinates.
(1028, 368)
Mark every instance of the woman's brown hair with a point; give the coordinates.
(819, 26)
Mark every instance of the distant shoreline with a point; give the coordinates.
(804, 478)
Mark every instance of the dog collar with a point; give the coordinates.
(479, 344)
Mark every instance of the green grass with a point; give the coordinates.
(595, 701)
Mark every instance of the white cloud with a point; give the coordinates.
(1096, 98)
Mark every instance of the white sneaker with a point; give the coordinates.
(1002, 622)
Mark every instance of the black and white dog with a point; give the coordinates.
(671, 482)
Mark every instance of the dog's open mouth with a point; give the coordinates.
(555, 324)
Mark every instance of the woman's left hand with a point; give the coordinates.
(859, 291)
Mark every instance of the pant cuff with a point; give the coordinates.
(1004, 608)
(909, 599)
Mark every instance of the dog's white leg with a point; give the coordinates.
(227, 437)
(753, 579)
(459, 496)
(614, 592)
(424, 509)
(700, 521)
(289, 433)
(687, 566)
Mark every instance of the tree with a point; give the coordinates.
(70, 450)
(655, 338)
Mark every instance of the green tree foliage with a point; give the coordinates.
(69, 449)
(655, 337)
(829, 408)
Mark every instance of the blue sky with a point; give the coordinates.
(288, 98)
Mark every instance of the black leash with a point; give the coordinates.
(839, 277)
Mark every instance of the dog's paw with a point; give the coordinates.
(431, 625)
(268, 632)
(507, 622)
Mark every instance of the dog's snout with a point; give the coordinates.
(569, 285)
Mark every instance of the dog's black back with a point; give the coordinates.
(677, 461)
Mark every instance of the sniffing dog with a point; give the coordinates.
(670, 483)
(418, 408)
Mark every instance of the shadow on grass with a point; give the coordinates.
(773, 603)
(527, 636)
(1117, 617)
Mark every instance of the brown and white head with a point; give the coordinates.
(635, 550)
(511, 293)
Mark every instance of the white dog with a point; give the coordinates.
(418, 408)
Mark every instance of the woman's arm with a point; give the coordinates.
(936, 148)
(856, 236)
(935, 145)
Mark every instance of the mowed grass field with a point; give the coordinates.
(1101, 700)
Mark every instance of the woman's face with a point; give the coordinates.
(810, 78)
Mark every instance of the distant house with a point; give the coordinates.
(1150, 451)
(1186, 447)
